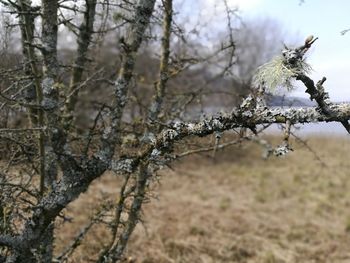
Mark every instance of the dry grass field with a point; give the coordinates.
(239, 209)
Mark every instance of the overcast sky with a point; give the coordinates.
(325, 19)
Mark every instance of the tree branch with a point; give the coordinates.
(164, 62)
(86, 30)
(142, 16)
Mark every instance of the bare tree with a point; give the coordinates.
(51, 163)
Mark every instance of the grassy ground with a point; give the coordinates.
(240, 209)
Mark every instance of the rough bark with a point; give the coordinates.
(130, 46)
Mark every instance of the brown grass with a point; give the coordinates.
(240, 209)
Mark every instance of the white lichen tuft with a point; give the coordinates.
(277, 73)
